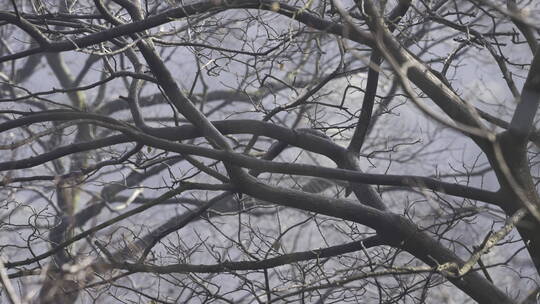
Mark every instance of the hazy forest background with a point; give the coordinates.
(260, 151)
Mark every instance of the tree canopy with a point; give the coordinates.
(259, 151)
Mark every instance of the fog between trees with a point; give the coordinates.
(269, 152)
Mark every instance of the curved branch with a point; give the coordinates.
(292, 12)
(281, 260)
(303, 140)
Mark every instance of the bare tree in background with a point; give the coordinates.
(260, 151)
